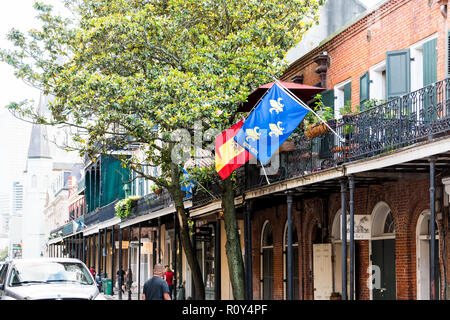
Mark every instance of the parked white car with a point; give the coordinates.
(47, 279)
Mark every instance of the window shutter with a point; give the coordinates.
(328, 98)
(364, 89)
(347, 92)
(429, 62)
(398, 73)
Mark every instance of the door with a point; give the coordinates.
(322, 268)
(383, 256)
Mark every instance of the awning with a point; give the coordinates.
(303, 91)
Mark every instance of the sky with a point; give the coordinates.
(14, 133)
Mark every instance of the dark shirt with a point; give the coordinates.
(154, 288)
(121, 274)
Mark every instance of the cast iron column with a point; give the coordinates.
(290, 287)
(217, 270)
(120, 263)
(105, 251)
(99, 253)
(159, 239)
(344, 238)
(248, 251)
(129, 262)
(432, 231)
(174, 290)
(84, 249)
(139, 264)
(113, 248)
(352, 236)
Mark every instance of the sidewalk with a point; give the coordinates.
(115, 296)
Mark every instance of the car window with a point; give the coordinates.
(49, 272)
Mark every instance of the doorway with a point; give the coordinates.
(383, 253)
(423, 257)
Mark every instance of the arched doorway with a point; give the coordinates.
(423, 256)
(296, 293)
(383, 253)
(266, 262)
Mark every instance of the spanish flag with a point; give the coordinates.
(229, 154)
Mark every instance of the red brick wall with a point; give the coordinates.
(407, 199)
(396, 25)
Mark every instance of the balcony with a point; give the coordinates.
(416, 117)
(150, 203)
(100, 214)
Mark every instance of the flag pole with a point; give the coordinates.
(264, 169)
(286, 90)
(202, 186)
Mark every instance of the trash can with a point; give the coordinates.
(107, 286)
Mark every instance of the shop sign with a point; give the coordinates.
(203, 234)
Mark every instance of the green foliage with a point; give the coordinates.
(323, 111)
(348, 110)
(124, 207)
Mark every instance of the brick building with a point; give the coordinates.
(395, 56)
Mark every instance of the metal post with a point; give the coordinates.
(432, 231)
(217, 262)
(248, 251)
(290, 280)
(93, 253)
(174, 291)
(139, 263)
(99, 253)
(129, 260)
(352, 236)
(84, 249)
(344, 239)
(113, 248)
(119, 280)
(159, 239)
(105, 252)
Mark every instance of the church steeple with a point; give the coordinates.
(39, 147)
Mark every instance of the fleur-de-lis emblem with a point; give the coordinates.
(252, 134)
(276, 105)
(275, 129)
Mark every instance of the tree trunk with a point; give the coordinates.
(233, 244)
(191, 256)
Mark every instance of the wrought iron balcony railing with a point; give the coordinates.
(415, 117)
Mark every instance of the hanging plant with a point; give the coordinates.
(156, 189)
(125, 206)
(190, 223)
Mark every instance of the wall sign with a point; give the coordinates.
(361, 228)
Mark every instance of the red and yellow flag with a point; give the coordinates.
(229, 154)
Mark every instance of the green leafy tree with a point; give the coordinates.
(142, 74)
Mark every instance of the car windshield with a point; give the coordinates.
(49, 272)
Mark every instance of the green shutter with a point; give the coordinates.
(429, 62)
(398, 73)
(328, 98)
(320, 144)
(347, 92)
(364, 89)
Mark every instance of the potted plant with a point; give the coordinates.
(335, 296)
(314, 126)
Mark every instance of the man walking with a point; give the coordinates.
(156, 288)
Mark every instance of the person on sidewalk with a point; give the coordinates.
(156, 287)
(168, 275)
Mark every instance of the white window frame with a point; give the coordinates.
(339, 97)
(377, 83)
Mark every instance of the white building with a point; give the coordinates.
(5, 204)
(15, 222)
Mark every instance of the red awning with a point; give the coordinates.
(303, 91)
